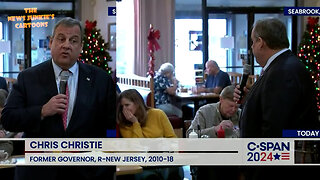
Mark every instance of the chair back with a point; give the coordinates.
(235, 78)
(142, 84)
(10, 82)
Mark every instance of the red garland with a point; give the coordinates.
(153, 45)
(153, 35)
(90, 25)
(312, 22)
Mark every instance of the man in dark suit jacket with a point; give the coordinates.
(36, 106)
(282, 98)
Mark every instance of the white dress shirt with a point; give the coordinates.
(72, 85)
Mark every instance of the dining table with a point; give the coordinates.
(196, 98)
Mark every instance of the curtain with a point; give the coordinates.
(161, 15)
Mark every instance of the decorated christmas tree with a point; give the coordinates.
(94, 48)
(309, 50)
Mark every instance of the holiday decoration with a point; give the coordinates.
(94, 48)
(309, 50)
(153, 45)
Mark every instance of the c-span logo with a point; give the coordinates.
(268, 151)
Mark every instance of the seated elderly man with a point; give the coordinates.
(213, 117)
(216, 80)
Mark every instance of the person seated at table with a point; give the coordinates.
(165, 84)
(223, 114)
(3, 132)
(210, 118)
(216, 79)
(136, 120)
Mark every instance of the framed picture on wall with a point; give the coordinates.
(195, 40)
(112, 36)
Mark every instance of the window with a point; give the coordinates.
(188, 38)
(1, 55)
(14, 62)
(185, 55)
(217, 30)
(225, 18)
(125, 37)
(237, 26)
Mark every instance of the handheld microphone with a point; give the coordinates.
(64, 75)
(244, 79)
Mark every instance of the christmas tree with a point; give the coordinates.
(94, 48)
(309, 50)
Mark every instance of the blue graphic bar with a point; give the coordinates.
(112, 11)
(301, 11)
(111, 133)
(301, 133)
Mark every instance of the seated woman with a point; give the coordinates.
(136, 120)
(166, 84)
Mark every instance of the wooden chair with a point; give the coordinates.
(252, 79)
(141, 84)
(235, 78)
(134, 80)
(10, 82)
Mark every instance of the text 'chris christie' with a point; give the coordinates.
(66, 144)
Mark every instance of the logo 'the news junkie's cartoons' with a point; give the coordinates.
(268, 151)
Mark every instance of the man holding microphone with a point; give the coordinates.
(282, 98)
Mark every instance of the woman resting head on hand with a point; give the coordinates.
(136, 120)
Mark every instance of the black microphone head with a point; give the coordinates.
(244, 79)
(64, 75)
(246, 69)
